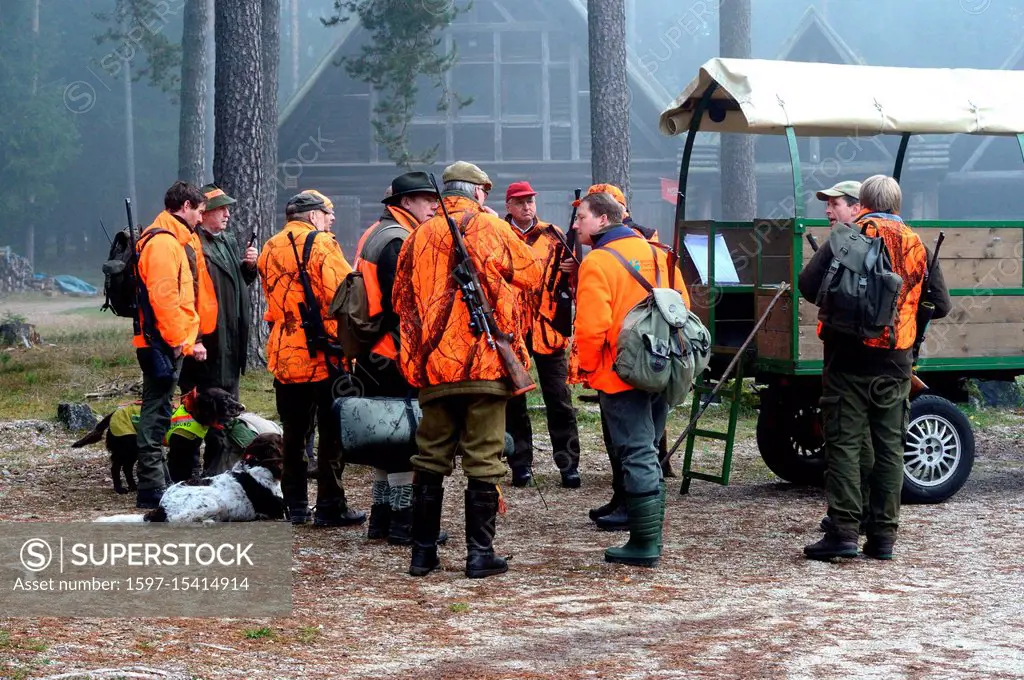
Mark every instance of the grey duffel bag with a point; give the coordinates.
(381, 431)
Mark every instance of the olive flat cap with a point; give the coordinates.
(461, 171)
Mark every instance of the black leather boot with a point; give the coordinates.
(337, 514)
(879, 547)
(522, 476)
(427, 498)
(380, 510)
(400, 531)
(832, 545)
(298, 514)
(380, 521)
(481, 525)
(606, 509)
(616, 520)
(618, 498)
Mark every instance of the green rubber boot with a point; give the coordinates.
(641, 550)
(662, 497)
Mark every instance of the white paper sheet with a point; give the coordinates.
(725, 269)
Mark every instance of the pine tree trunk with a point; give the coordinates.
(738, 182)
(30, 227)
(609, 93)
(239, 115)
(294, 44)
(271, 50)
(195, 66)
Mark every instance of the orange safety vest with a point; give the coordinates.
(545, 246)
(910, 261)
(395, 224)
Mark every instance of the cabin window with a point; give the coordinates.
(521, 46)
(520, 90)
(522, 143)
(474, 140)
(476, 81)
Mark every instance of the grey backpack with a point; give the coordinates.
(860, 291)
(663, 347)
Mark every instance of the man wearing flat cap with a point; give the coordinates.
(547, 347)
(303, 360)
(409, 201)
(227, 278)
(462, 381)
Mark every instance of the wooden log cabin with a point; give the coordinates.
(524, 63)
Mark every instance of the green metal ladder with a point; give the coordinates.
(703, 388)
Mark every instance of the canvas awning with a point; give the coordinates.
(762, 96)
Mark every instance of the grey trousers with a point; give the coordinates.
(635, 422)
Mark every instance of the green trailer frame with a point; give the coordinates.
(710, 110)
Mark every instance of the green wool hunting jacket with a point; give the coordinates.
(231, 281)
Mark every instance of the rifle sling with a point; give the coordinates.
(485, 309)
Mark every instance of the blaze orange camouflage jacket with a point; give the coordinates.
(287, 353)
(437, 345)
(545, 246)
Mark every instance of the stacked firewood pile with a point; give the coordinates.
(16, 273)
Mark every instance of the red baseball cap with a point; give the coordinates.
(519, 189)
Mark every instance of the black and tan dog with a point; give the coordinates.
(211, 407)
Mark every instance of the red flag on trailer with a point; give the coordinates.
(669, 190)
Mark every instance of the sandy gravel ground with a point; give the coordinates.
(732, 598)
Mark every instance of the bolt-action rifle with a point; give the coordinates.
(312, 322)
(559, 283)
(481, 316)
(926, 308)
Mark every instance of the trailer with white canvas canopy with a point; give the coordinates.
(735, 269)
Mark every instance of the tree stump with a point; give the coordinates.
(18, 333)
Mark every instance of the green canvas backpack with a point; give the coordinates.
(663, 346)
(860, 290)
(358, 331)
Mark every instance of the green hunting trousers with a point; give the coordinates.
(470, 424)
(865, 420)
(154, 421)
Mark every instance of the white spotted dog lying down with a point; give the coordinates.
(249, 491)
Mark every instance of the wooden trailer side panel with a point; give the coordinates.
(978, 326)
(982, 324)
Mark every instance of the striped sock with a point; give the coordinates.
(401, 497)
(381, 492)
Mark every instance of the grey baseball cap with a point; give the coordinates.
(849, 188)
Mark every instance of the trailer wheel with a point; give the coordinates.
(790, 438)
(939, 452)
